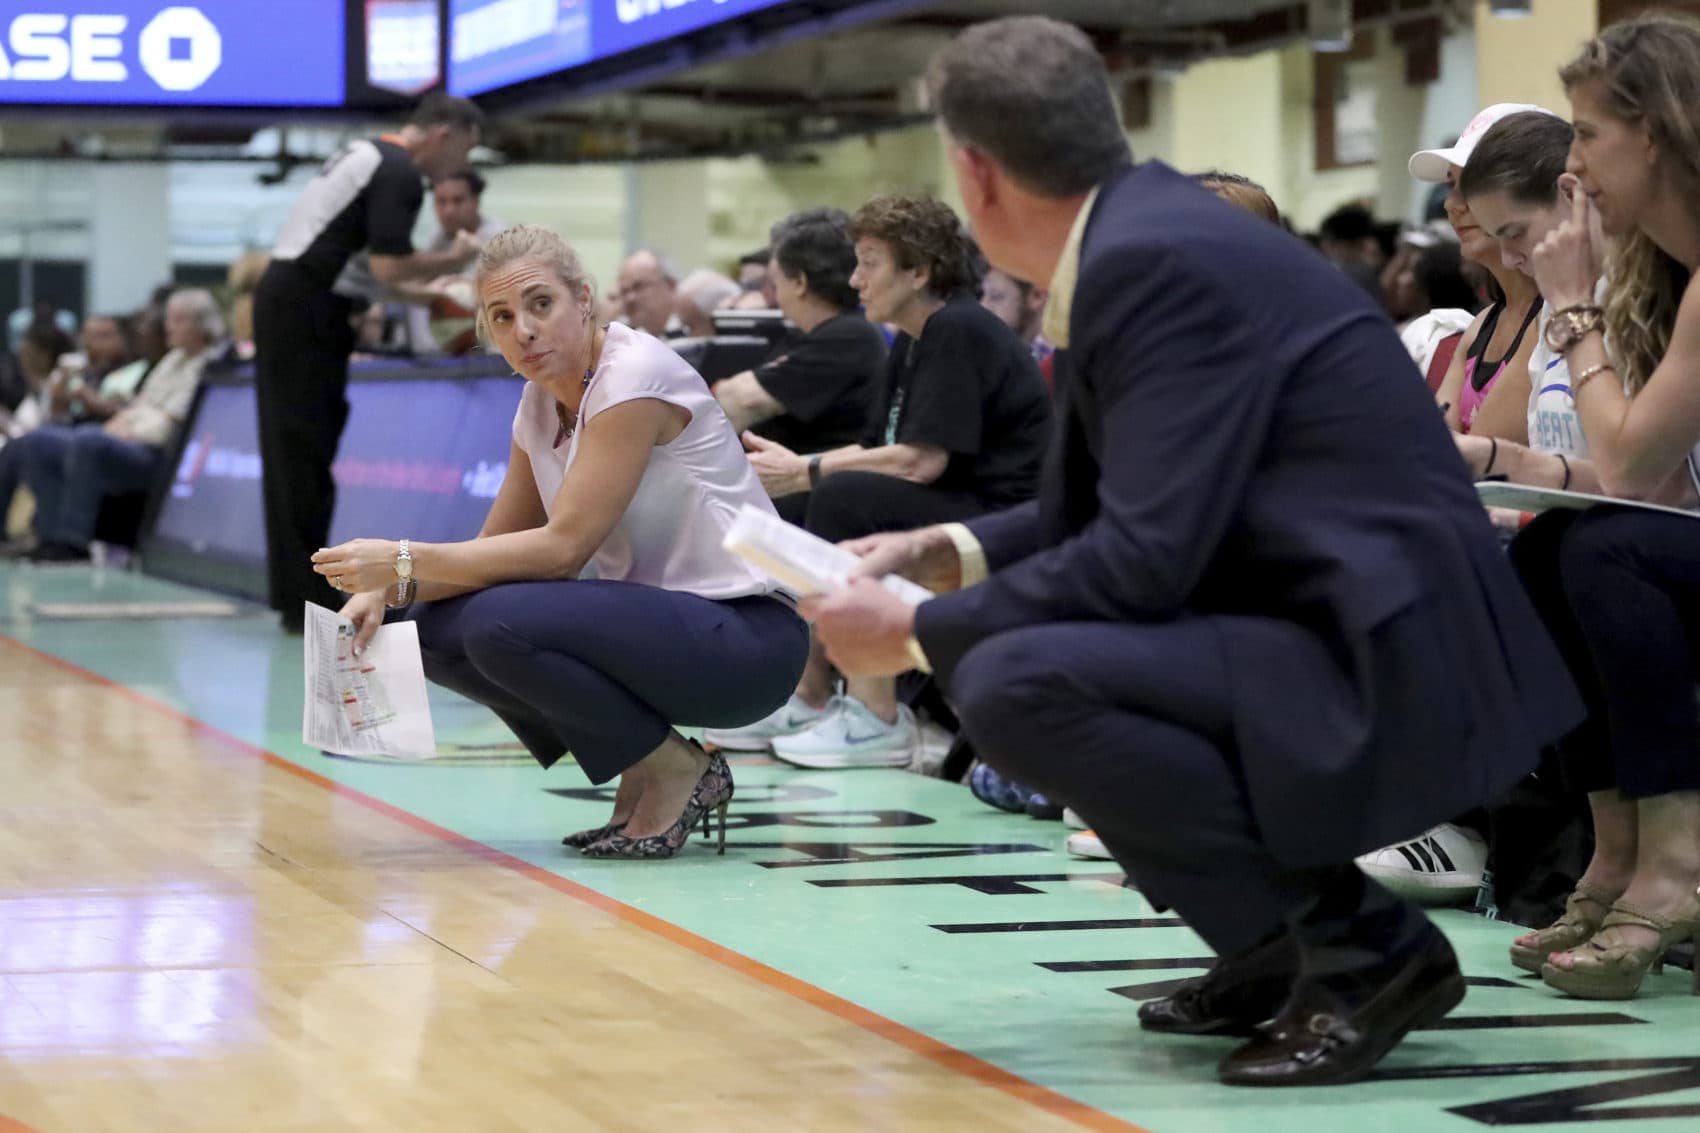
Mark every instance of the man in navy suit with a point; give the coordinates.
(1257, 622)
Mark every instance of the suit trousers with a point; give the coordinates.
(1132, 725)
(302, 342)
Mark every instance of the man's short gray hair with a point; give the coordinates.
(1032, 94)
(663, 262)
(709, 289)
(205, 309)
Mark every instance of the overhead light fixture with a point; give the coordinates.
(1330, 25)
(1511, 9)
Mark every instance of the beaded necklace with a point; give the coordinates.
(569, 427)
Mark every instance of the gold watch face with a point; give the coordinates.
(404, 568)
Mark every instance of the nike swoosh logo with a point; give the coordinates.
(849, 739)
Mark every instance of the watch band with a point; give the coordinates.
(815, 470)
(404, 585)
(1571, 325)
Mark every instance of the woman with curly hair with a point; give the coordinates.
(958, 428)
(1632, 576)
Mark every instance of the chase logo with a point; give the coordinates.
(179, 49)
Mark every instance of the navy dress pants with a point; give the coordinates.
(605, 669)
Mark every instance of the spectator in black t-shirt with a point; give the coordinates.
(366, 197)
(959, 429)
(967, 393)
(813, 392)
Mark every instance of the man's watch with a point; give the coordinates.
(404, 576)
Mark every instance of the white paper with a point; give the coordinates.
(1522, 497)
(804, 564)
(373, 704)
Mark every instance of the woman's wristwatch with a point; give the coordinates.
(404, 586)
(1571, 325)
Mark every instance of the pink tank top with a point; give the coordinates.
(1470, 398)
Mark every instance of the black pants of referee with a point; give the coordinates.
(302, 341)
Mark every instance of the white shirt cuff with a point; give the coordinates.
(970, 552)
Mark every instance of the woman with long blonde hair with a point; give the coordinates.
(1632, 576)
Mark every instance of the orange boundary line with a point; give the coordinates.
(924, 1045)
(13, 1125)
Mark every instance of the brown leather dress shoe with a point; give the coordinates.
(1232, 998)
(1320, 1038)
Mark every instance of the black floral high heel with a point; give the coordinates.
(716, 783)
(713, 793)
(583, 838)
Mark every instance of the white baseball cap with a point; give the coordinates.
(1431, 164)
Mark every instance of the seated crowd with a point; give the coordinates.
(97, 423)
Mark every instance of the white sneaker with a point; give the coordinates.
(849, 735)
(1072, 820)
(1442, 867)
(1086, 844)
(788, 719)
(932, 747)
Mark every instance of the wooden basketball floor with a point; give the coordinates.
(205, 926)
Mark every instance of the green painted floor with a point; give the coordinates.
(908, 897)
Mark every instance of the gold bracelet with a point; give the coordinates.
(1586, 376)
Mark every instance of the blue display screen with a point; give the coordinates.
(494, 43)
(418, 459)
(174, 52)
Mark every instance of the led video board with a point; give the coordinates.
(223, 53)
(496, 43)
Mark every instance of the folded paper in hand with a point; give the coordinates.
(373, 704)
(804, 564)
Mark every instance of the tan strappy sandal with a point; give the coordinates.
(1607, 968)
(1584, 913)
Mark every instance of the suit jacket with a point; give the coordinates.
(1241, 436)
